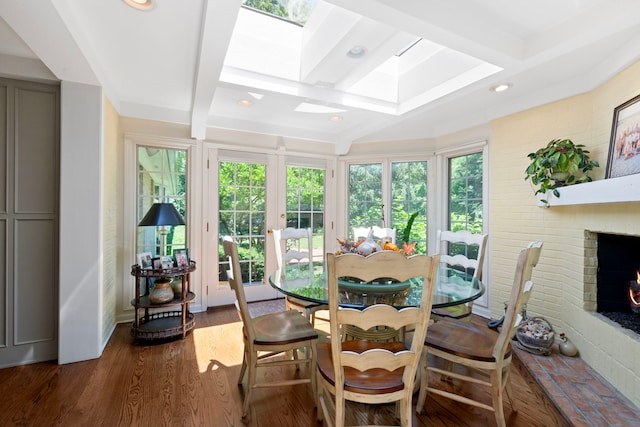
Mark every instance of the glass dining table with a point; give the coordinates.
(309, 282)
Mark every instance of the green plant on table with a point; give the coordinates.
(559, 164)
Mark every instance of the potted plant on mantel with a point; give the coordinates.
(559, 164)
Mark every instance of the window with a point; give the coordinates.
(465, 194)
(242, 191)
(390, 205)
(409, 196)
(162, 177)
(305, 203)
(365, 195)
(296, 11)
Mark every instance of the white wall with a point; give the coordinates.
(81, 189)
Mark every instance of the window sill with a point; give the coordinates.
(623, 189)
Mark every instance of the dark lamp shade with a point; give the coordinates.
(162, 214)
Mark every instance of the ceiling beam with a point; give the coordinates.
(41, 27)
(218, 21)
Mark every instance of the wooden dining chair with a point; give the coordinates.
(295, 245)
(269, 335)
(370, 371)
(465, 251)
(486, 352)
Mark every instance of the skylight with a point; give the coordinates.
(296, 11)
(395, 73)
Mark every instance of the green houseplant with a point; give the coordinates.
(558, 164)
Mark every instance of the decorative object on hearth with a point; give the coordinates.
(624, 146)
(560, 163)
(535, 335)
(566, 347)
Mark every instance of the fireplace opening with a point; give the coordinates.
(618, 278)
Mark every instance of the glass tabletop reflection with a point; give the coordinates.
(309, 282)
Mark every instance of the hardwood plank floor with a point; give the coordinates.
(193, 382)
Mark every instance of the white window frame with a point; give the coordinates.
(131, 144)
(481, 305)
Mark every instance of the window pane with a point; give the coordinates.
(162, 177)
(465, 193)
(365, 195)
(241, 215)
(409, 196)
(305, 203)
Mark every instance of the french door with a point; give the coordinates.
(248, 195)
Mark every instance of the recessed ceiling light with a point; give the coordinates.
(357, 51)
(500, 88)
(336, 119)
(245, 102)
(140, 4)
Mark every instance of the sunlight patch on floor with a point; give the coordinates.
(218, 346)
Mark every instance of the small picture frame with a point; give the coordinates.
(144, 260)
(157, 263)
(624, 147)
(181, 257)
(166, 261)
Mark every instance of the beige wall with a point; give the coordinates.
(516, 219)
(112, 182)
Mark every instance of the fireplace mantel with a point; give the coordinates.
(623, 189)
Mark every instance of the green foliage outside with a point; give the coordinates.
(297, 11)
(465, 199)
(242, 195)
(409, 197)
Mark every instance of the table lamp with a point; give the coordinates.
(160, 215)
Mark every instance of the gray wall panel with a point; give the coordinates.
(4, 324)
(36, 152)
(4, 146)
(35, 272)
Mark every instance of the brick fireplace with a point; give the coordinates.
(567, 284)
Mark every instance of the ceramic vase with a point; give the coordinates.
(161, 292)
(176, 285)
(566, 347)
(369, 246)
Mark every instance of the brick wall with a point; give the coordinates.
(561, 293)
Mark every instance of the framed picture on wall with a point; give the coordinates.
(624, 147)
(181, 256)
(144, 260)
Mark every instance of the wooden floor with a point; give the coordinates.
(193, 382)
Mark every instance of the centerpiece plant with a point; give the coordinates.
(368, 246)
(560, 163)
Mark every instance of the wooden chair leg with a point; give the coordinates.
(496, 397)
(340, 408)
(320, 405)
(506, 377)
(243, 369)
(424, 380)
(251, 382)
(313, 368)
(404, 408)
